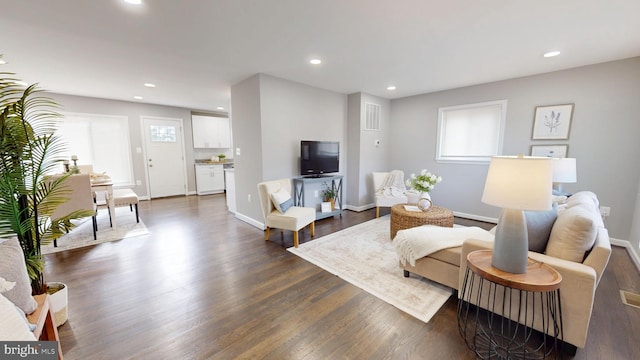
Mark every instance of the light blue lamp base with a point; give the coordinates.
(511, 245)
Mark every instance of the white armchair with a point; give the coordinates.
(385, 200)
(291, 218)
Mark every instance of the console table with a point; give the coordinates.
(299, 184)
(514, 304)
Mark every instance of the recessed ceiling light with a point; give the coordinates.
(315, 61)
(133, 2)
(21, 83)
(391, 87)
(220, 108)
(137, 97)
(150, 85)
(2, 62)
(551, 54)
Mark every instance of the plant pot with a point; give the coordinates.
(59, 300)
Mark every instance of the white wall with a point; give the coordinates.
(247, 136)
(603, 136)
(134, 110)
(366, 156)
(270, 117)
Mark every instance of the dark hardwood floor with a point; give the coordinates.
(204, 285)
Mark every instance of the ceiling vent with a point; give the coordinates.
(372, 117)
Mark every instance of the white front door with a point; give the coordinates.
(165, 159)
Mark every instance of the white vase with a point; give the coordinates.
(413, 197)
(59, 301)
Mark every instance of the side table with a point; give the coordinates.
(402, 218)
(515, 304)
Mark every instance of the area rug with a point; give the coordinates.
(365, 256)
(82, 235)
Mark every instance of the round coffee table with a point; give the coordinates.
(405, 219)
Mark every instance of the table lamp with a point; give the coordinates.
(564, 171)
(516, 183)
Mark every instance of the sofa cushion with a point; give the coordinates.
(539, 225)
(450, 255)
(13, 269)
(281, 200)
(574, 232)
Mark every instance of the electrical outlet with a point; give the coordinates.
(605, 211)
(249, 197)
(315, 194)
(138, 182)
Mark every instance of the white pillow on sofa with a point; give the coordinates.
(573, 233)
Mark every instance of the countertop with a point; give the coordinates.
(209, 162)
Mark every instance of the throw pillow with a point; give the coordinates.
(13, 269)
(281, 200)
(539, 225)
(14, 325)
(573, 233)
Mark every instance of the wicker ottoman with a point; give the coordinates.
(404, 219)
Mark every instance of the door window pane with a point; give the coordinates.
(163, 133)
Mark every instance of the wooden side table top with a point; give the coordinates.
(539, 276)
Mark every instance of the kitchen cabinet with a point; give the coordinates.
(210, 132)
(230, 184)
(209, 179)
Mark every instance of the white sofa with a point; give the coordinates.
(578, 248)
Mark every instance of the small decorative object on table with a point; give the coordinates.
(420, 186)
(329, 195)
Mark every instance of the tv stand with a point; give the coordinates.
(336, 184)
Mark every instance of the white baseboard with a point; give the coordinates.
(359, 208)
(632, 252)
(250, 221)
(475, 217)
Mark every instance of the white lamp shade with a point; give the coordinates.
(519, 182)
(564, 170)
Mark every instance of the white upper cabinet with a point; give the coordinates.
(210, 132)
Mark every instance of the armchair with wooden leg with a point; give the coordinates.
(389, 189)
(279, 212)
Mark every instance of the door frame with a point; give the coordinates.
(143, 129)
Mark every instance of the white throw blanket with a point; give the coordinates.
(393, 184)
(418, 242)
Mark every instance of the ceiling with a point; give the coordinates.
(195, 50)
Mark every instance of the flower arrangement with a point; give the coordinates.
(424, 182)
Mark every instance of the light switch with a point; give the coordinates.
(237, 151)
(138, 150)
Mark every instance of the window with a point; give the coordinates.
(471, 133)
(99, 140)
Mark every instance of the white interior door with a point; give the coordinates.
(165, 160)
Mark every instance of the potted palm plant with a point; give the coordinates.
(29, 150)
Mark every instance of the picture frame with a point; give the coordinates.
(554, 151)
(325, 207)
(552, 122)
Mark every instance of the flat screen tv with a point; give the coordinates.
(319, 157)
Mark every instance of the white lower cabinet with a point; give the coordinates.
(230, 182)
(209, 179)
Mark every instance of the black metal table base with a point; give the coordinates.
(492, 331)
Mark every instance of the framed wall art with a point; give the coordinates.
(552, 122)
(555, 151)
